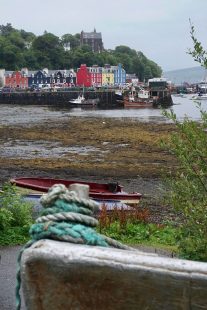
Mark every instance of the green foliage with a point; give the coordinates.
(137, 62)
(14, 236)
(19, 48)
(6, 218)
(142, 233)
(198, 53)
(188, 186)
(132, 227)
(16, 211)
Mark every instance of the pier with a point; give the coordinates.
(107, 98)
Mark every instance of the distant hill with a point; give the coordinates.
(189, 75)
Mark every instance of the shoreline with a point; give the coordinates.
(106, 150)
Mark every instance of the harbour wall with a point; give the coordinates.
(106, 98)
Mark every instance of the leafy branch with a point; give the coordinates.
(198, 53)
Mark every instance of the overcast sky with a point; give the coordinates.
(158, 28)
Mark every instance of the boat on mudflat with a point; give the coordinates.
(77, 101)
(137, 102)
(140, 99)
(98, 191)
(82, 102)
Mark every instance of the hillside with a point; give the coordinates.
(20, 49)
(190, 75)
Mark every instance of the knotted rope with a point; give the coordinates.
(65, 217)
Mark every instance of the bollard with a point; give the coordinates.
(61, 275)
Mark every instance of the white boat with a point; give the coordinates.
(143, 94)
(79, 100)
(199, 96)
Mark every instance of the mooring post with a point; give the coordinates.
(61, 275)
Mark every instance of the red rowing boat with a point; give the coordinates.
(97, 191)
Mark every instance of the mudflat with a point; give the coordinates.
(84, 146)
(94, 149)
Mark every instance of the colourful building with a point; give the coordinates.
(107, 76)
(119, 75)
(83, 76)
(62, 77)
(52, 77)
(96, 75)
(38, 77)
(16, 79)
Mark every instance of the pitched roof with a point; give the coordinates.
(92, 35)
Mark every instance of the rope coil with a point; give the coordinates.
(66, 217)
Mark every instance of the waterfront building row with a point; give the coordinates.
(94, 76)
(101, 76)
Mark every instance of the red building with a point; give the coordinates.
(83, 76)
(16, 80)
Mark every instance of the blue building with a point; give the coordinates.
(119, 75)
(52, 77)
(38, 77)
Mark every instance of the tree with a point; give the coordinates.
(147, 73)
(188, 186)
(73, 40)
(27, 36)
(48, 50)
(6, 30)
(19, 48)
(122, 49)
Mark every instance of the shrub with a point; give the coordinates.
(188, 186)
(15, 210)
(6, 218)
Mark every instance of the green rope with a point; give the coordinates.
(65, 217)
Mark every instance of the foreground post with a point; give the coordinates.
(58, 275)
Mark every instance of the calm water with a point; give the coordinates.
(183, 106)
(30, 115)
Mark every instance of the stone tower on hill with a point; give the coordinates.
(93, 39)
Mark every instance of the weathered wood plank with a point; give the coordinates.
(58, 275)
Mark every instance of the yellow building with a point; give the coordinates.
(107, 76)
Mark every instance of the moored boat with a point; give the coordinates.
(98, 191)
(200, 96)
(136, 102)
(81, 101)
(140, 99)
(77, 101)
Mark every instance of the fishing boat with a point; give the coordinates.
(82, 102)
(138, 103)
(78, 101)
(98, 191)
(139, 100)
